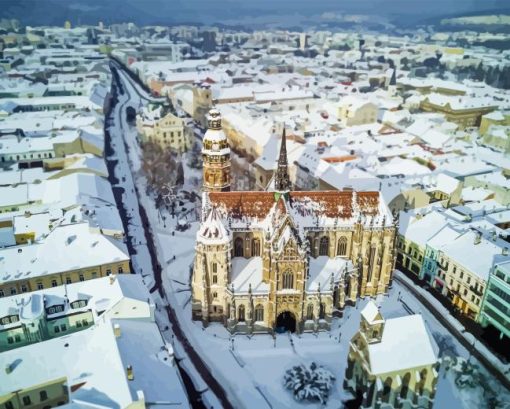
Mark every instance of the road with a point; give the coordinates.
(125, 86)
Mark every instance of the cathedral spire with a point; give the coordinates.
(282, 181)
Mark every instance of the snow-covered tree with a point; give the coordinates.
(309, 382)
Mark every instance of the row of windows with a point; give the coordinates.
(54, 283)
(27, 401)
(239, 247)
(172, 134)
(259, 313)
(18, 157)
(9, 319)
(12, 340)
(500, 293)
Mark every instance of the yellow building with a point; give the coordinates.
(494, 118)
(464, 111)
(163, 128)
(392, 363)
(354, 111)
(82, 255)
(286, 260)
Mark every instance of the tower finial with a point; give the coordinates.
(282, 180)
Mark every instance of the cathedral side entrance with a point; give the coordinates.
(286, 321)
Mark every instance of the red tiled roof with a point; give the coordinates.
(258, 204)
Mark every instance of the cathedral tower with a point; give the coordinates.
(281, 177)
(215, 156)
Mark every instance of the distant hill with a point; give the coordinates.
(168, 12)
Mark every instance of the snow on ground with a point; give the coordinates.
(252, 368)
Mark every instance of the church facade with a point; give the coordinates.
(282, 259)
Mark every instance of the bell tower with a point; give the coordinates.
(215, 156)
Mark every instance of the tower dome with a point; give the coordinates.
(216, 155)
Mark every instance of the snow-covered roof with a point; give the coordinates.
(246, 274)
(405, 345)
(325, 271)
(78, 248)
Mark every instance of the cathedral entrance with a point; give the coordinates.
(285, 322)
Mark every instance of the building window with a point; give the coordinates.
(82, 278)
(322, 311)
(63, 328)
(288, 280)
(120, 270)
(240, 313)
(323, 247)
(9, 405)
(214, 268)
(84, 322)
(24, 288)
(56, 329)
(309, 312)
(17, 338)
(40, 286)
(215, 295)
(43, 395)
(10, 340)
(13, 290)
(78, 324)
(53, 283)
(2, 292)
(27, 401)
(68, 280)
(342, 247)
(108, 272)
(255, 248)
(259, 313)
(371, 262)
(238, 247)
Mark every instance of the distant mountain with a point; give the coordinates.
(167, 12)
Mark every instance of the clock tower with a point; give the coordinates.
(215, 156)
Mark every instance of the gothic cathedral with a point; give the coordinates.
(281, 259)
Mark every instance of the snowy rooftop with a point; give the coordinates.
(325, 271)
(78, 248)
(406, 344)
(101, 294)
(246, 273)
(94, 362)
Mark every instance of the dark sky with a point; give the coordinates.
(175, 11)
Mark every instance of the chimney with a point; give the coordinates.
(8, 368)
(478, 238)
(130, 374)
(505, 251)
(116, 330)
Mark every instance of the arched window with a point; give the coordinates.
(255, 248)
(387, 390)
(240, 313)
(288, 280)
(323, 247)
(342, 247)
(371, 262)
(238, 247)
(322, 311)
(404, 389)
(259, 312)
(309, 312)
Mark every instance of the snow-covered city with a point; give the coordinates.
(272, 205)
